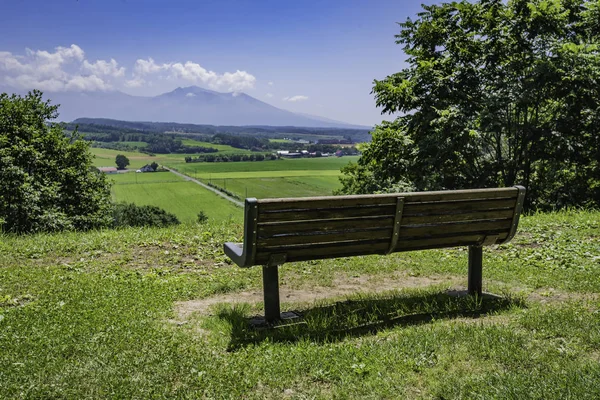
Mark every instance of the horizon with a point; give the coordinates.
(309, 58)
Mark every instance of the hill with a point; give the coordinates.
(191, 104)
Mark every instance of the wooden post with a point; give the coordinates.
(271, 293)
(475, 270)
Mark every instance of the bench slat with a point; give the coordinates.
(331, 213)
(325, 237)
(270, 229)
(458, 207)
(502, 225)
(470, 216)
(304, 203)
(350, 248)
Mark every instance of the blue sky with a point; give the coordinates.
(316, 57)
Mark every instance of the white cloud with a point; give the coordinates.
(135, 82)
(295, 98)
(56, 71)
(190, 95)
(66, 68)
(144, 67)
(270, 83)
(86, 83)
(195, 73)
(101, 67)
(269, 94)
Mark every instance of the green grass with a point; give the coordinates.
(288, 186)
(223, 148)
(184, 199)
(144, 177)
(106, 157)
(94, 315)
(299, 164)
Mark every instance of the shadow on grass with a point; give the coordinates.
(363, 314)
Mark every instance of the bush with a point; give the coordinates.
(129, 214)
(202, 217)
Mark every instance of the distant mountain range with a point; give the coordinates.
(191, 104)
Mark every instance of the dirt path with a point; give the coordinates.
(205, 186)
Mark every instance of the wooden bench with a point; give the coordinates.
(277, 231)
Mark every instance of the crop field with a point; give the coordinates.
(162, 313)
(278, 178)
(172, 193)
(288, 186)
(223, 148)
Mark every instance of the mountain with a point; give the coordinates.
(184, 105)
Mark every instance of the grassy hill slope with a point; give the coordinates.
(140, 313)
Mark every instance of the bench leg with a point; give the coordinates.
(475, 270)
(271, 293)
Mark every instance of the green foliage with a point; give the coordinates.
(47, 179)
(496, 94)
(202, 217)
(121, 161)
(129, 214)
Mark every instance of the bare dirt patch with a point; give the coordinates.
(342, 286)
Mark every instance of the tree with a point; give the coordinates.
(154, 166)
(47, 178)
(495, 94)
(121, 161)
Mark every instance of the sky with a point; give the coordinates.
(308, 56)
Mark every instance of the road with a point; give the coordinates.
(187, 178)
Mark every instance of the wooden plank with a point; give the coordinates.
(291, 227)
(328, 251)
(441, 242)
(469, 216)
(329, 213)
(493, 227)
(318, 238)
(381, 199)
(457, 207)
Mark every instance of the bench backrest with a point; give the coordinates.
(300, 229)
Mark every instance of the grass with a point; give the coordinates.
(94, 315)
(259, 167)
(288, 186)
(173, 194)
(276, 178)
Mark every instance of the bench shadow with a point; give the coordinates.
(363, 314)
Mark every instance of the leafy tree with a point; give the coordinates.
(154, 165)
(495, 94)
(121, 161)
(47, 178)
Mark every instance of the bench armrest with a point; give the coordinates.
(243, 253)
(235, 251)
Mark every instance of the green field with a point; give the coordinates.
(223, 148)
(288, 186)
(278, 178)
(171, 193)
(293, 164)
(161, 313)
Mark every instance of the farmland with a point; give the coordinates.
(261, 179)
(172, 193)
(277, 178)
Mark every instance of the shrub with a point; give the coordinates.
(129, 214)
